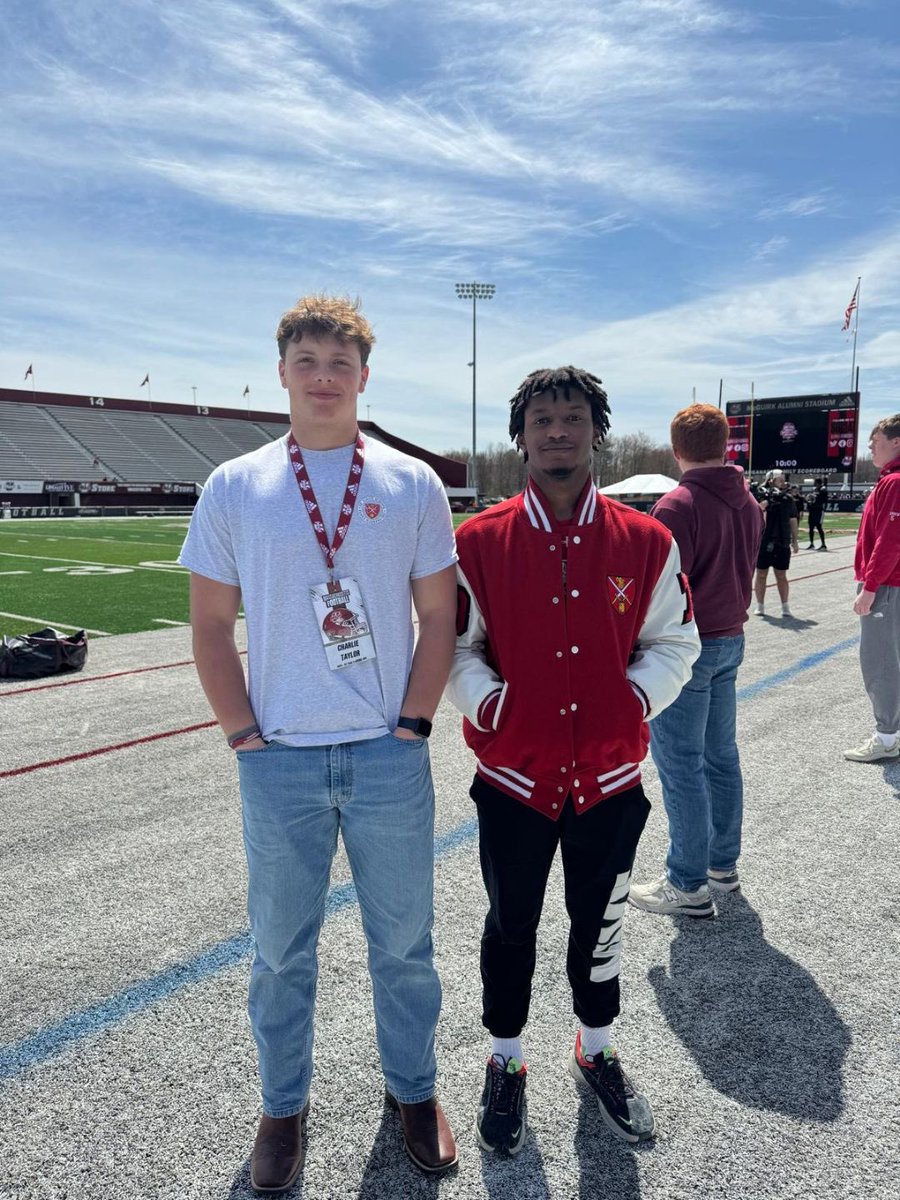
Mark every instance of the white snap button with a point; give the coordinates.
(556, 599)
(577, 540)
(562, 712)
(581, 799)
(552, 547)
(556, 805)
(563, 769)
(577, 783)
(575, 593)
(559, 789)
(559, 654)
(574, 649)
(574, 707)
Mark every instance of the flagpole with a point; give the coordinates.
(855, 331)
(750, 438)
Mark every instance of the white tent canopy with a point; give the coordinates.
(641, 485)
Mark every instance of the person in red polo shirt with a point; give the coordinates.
(574, 629)
(877, 568)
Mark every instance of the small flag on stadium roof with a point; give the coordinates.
(848, 313)
(247, 390)
(146, 379)
(30, 370)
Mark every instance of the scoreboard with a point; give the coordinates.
(815, 435)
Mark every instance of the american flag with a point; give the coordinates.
(848, 313)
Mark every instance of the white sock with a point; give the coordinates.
(887, 739)
(507, 1048)
(594, 1041)
(785, 608)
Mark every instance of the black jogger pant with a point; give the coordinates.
(517, 845)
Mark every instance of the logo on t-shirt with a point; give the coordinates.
(373, 510)
(621, 592)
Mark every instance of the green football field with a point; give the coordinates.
(119, 574)
(106, 575)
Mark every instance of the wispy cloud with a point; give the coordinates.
(658, 188)
(800, 206)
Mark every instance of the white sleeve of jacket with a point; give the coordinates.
(471, 679)
(668, 646)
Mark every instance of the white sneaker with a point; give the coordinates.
(760, 610)
(874, 750)
(786, 610)
(664, 897)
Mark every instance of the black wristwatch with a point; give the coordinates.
(416, 725)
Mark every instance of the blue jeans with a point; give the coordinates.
(695, 752)
(379, 794)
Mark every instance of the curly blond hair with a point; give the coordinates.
(321, 315)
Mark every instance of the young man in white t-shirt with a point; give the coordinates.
(325, 537)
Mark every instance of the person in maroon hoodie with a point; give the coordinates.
(877, 569)
(718, 526)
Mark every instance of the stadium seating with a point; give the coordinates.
(35, 446)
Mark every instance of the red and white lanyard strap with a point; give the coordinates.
(308, 496)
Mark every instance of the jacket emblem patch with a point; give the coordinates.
(621, 592)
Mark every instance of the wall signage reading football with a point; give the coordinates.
(815, 435)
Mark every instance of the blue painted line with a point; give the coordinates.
(17, 1057)
(47, 1043)
(752, 690)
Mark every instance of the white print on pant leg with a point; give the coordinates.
(609, 945)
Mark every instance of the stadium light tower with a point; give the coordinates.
(474, 292)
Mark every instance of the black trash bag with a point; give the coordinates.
(44, 652)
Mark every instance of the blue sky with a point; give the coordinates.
(666, 192)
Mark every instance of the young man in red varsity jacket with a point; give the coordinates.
(574, 629)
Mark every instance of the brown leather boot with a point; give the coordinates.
(427, 1136)
(278, 1152)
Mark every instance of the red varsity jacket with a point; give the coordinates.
(570, 635)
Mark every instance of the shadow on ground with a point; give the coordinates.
(390, 1173)
(607, 1166)
(519, 1177)
(755, 1021)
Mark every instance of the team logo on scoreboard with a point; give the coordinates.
(788, 431)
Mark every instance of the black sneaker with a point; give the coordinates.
(624, 1110)
(500, 1124)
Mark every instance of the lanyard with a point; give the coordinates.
(308, 496)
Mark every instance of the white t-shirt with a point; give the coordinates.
(251, 530)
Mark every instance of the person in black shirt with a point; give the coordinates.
(817, 504)
(779, 539)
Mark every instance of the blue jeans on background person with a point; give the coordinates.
(380, 795)
(694, 748)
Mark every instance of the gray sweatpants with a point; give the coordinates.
(879, 657)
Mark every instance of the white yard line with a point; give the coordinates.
(75, 537)
(89, 562)
(163, 621)
(15, 572)
(44, 623)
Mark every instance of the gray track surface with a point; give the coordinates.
(764, 1038)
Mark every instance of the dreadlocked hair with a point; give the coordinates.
(561, 381)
